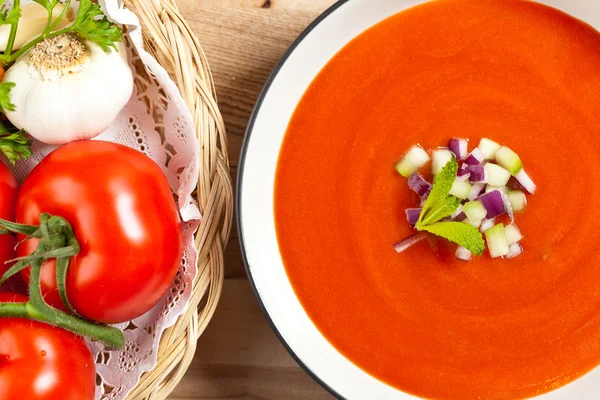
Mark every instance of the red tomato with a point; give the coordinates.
(8, 196)
(41, 362)
(123, 214)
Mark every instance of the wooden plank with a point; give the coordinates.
(239, 357)
(306, 5)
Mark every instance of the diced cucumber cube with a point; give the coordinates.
(460, 189)
(412, 161)
(476, 223)
(496, 241)
(512, 234)
(509, 160)
(488, 148)
(439, 159)
(496, 175)
(501, 189)
(517, 200)
(475, 211)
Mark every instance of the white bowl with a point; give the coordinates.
(284, 89)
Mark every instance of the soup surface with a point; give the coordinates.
(520, 73)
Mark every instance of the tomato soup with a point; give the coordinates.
(520, 73)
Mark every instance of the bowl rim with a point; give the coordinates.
(593, 21)
(240, 178)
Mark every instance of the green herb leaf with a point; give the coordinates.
(47, 4)
(5, 104)
(9, 17)
(91, 24)
(439, 205)
(460, 233)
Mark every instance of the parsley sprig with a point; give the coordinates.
(90, 24)
(440, 205)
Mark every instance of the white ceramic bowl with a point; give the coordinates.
(284, 89)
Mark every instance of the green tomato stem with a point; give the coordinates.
(36, 309)
(56, 240)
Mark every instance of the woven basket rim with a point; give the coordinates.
(169, 38)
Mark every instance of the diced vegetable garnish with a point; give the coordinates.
(469, 192)
(496, 241)
(475, 158)
(477, 173)
(420, 186)
(525, 181)
(488, 148)
(474, 210)
(476, 190)
(458, 147)
(512, 233)
(487, 224)
(517, 199)
(496, 175)
(509, 160)
(409, 241)
(456, 213)
(463, 174)
(493, 203)
(463, 254)
(412, 215)
(412, 161)
(501, 189)
(439, 158)
(514, 250)
(460, 189)
(476, 223)
(508, 207)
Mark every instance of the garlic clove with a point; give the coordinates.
(32, 24)
(67, 89)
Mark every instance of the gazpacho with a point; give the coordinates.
(516, 72)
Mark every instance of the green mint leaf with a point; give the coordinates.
(91, 24)
(442, 211)
(460, 233)
(437, 204)
(5, 104)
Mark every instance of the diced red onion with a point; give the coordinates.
(460, 217)
(508, 207)
(493, 203)
(457, 212)
(412, 215)
(513, 183)
(477, 173)
(409, 241)
(475, 158)
(525, 181)
(487, 224)
(476, 190)
(458, 147)
(514, 250)
(421, 187)
(463, 174)
(463, 254)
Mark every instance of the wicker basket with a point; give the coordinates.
(170, 40)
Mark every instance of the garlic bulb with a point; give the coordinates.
(32, 23)
(67, 89)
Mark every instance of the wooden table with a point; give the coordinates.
(239, 356)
